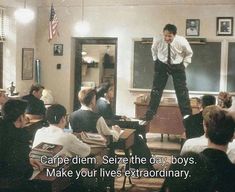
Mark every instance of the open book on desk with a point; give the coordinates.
(93, 139)
(46, 149)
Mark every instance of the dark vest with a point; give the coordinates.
(84, 120)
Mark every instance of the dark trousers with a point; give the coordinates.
(162, 71)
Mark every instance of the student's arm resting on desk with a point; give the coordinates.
(103, 129)
(76, 146)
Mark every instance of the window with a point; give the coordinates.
(2, 25)
(1, 64)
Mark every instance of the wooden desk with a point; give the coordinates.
(57, 184)
(168, 119)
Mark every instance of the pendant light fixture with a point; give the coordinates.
(82, 27)
(24, 15)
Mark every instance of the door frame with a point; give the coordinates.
(79, 42)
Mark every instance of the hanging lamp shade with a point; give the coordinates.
(24, 15)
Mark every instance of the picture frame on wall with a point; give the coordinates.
(224, 26)
(58, 49)
(192, 27)
(27, 63)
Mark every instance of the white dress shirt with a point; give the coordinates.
(71, 144)
(180, 50)
(102, 127)
(198, 144)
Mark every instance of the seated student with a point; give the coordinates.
(15, 165)
(56, 116)
(105, 94)
(219, 131)
(225, 100)
(35, 108)
(198, 144)
(85, 119)
(200, 179)
(194, 123)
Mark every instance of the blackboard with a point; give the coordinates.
(231, 68)
(203, 74)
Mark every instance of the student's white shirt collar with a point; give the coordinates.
(83, 107)
(55, 128)
(104, 99)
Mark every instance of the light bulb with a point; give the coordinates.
(24, 15)
(82, 28)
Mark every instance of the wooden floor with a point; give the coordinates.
(167, 147)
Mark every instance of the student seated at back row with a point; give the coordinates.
(225, 100)
(54, 134)
(105, 94)
(35, 108)
(85, 119)
(15, 165)
(193, 124)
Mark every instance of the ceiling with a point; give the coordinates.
(70, 3)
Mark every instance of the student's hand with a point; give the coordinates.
(36, 164)
(116, 128)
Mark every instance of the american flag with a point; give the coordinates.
(53, 24)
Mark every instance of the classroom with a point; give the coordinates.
(77, 74)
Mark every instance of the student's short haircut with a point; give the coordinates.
(207, 100)
(103, 88)
(35, 87)
(86, 95)
(171, 28)
(219, 125)
(54, 113)
(13, 109)
(225, 100)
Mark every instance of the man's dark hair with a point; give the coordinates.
(13, 109)
(207, 100)
(219, 125)
(35, 87)
(171, 28)
(102, 89)
(54, 113)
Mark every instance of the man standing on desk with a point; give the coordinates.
(171, 54)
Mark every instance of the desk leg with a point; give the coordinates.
(161, 137)
(127, 154)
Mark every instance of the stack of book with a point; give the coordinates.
(93, 139)
(46, 149)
